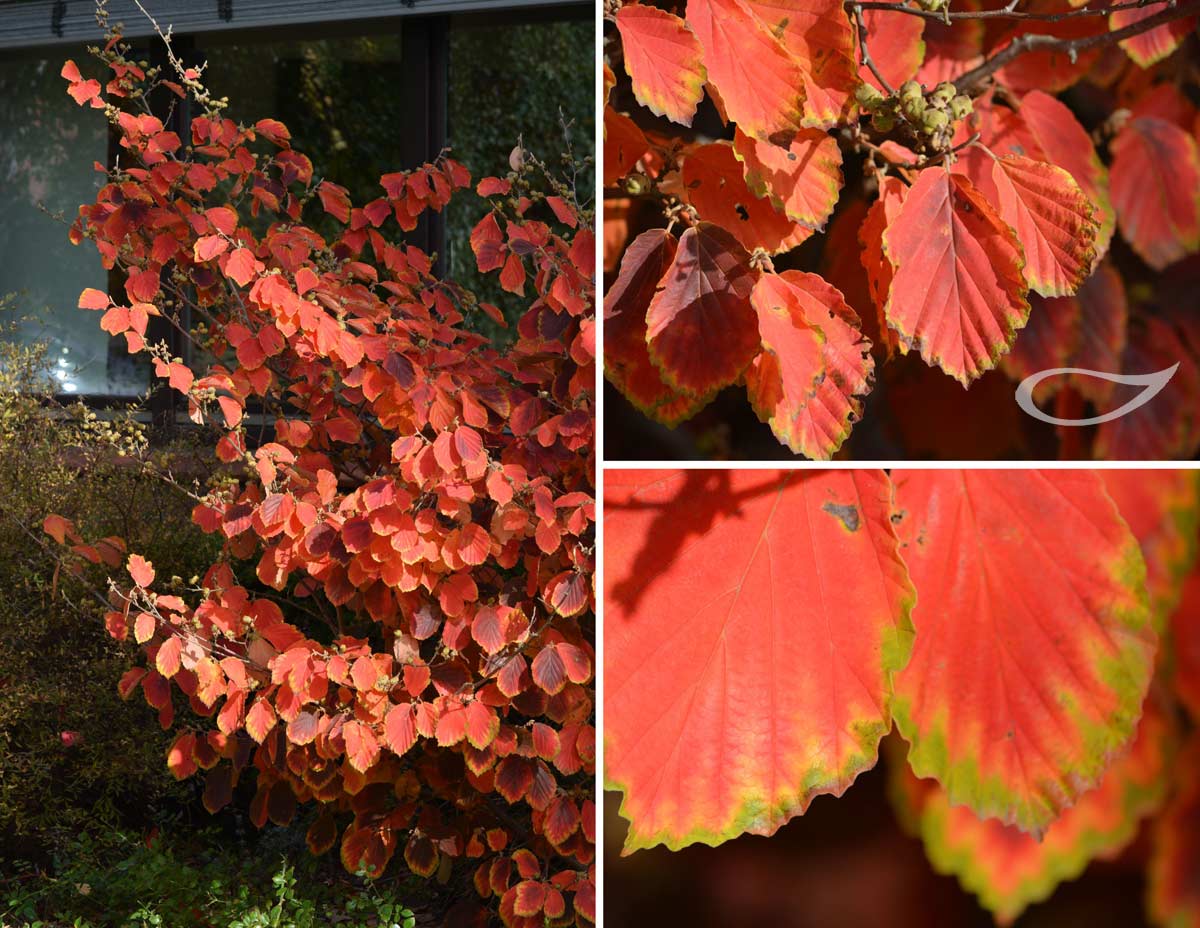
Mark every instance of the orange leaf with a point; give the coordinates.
(760, 84)
(818, 36)
(814, 366)
(715, 185)
(663, 60)
(958, 294)
(242, 266)
(169, 656)
(624, 145)
(92, 298)
(141, 570)
(1052, 219)
(803, 180)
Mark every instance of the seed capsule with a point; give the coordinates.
(942, 94)
(868, 97)
(935, 120)
(914, 109)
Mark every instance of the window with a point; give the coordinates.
(363, 95)
(47, 149)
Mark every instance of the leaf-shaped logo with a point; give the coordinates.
(1152, 383)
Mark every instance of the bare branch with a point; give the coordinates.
(865, 55)
(1049, 43)
(1008, 12)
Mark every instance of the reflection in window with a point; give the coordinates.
(340, 98)
(508, 81)
(48, 147)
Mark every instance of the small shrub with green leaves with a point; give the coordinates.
(73, 755)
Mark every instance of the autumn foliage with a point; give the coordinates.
(398, 630)
(1031, 635)
(801, 192)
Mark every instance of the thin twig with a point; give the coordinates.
(1049, 43)
(865, 55)
(1009, 12)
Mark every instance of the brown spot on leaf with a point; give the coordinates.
(847, 515)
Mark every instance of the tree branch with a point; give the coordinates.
(866, 60)
(1004, 13)
(1049, 43)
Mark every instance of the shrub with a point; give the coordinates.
(203, 879)
(72, 754)
(397, 628)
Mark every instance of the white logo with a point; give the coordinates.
(1152, 383)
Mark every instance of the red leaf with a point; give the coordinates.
(482, 725)
(1009, 869)
(896, 46)
(242, 266)
(487, 241)
(1052, 219)
(561, 821)
(400, 728)
(129, 681)
(803, 179)
(273, 130)
(624, 145)
(1153, 45)
(1058, 137)
(1161, 509)
(167, 661)
(529, 897)
(814, 364)
(59, 528)
(488, 631)
(807, 605)
(1033, 658)
(223, 219)
(663, 60)
(451, 726)
(92, 298)
(1156, 190)
(626, 358)
(260, 720)
(715, 186)
(362, 750)
(818, 36)
(208, 247)
(567, 593)
(514, 776)
(548, 670)
(958, 294)
(141, 570)
(421, 855)
(700, 327)
(180, 759)
(760, 84)
(335, 200)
